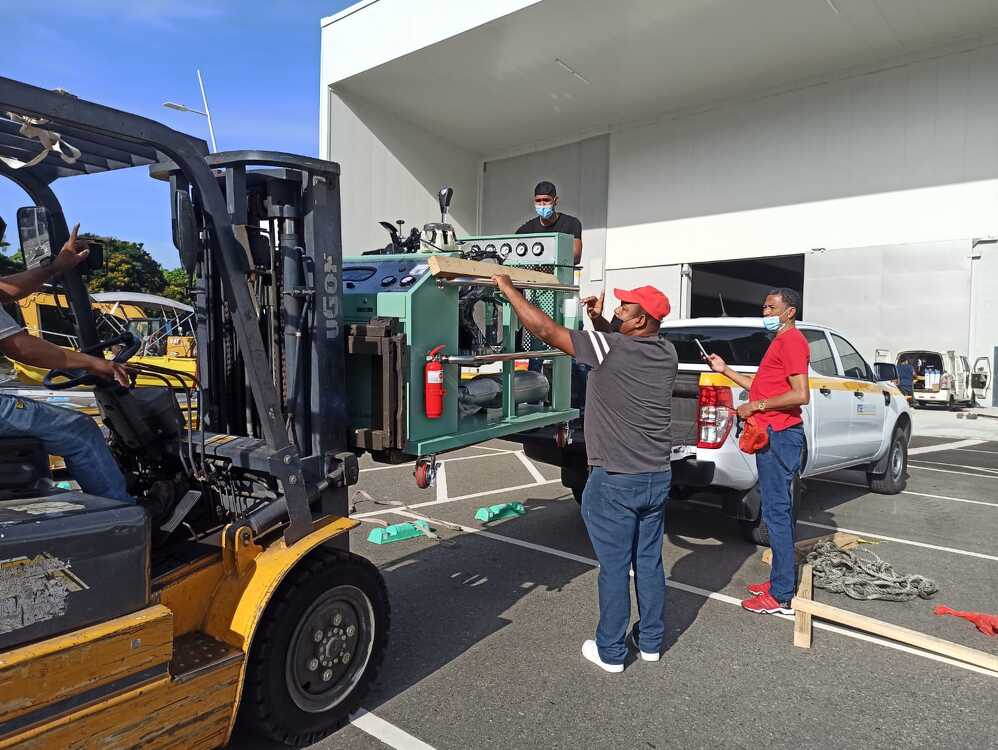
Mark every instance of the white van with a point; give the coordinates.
(946, 379)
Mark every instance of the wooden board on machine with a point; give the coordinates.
(447, 267)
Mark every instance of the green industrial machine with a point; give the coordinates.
(398, 314)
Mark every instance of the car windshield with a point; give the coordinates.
(920, 361)
(736, 345)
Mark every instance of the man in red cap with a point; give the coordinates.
(629, 442)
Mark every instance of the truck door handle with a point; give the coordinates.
(858, 394)
(825, 391)
(887, 398)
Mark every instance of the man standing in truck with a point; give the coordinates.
(629, 441)
(776, 393)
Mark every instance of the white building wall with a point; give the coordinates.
(904, 155)
(392, 170)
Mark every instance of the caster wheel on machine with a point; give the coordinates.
(424, 473)
(563, 437)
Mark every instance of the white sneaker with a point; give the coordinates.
(590, 651)
(645, 656)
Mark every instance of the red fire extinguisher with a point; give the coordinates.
(434, 391)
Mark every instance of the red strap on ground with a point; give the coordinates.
(987, 624)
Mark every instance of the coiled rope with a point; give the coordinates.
(860, 574)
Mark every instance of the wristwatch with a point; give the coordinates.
(760, 405)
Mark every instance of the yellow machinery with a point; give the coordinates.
(153, 319)
(228, 589)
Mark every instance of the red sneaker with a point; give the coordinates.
(758, 588)
(765, 604)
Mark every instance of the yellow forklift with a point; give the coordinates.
(229, 589)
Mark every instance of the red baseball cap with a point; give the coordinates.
(652, 301)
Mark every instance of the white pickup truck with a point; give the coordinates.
(853, 421)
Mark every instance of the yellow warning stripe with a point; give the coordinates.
(832, 384)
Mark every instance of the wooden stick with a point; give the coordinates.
(897, 633)
(802, 620)
(447, 267)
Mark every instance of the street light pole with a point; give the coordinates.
(207, 113)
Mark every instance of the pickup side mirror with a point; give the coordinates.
(885, 372)
(34, 227)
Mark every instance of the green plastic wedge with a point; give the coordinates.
(503, 510)
(398, 532)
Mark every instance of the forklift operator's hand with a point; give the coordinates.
(72, 253)
(109, 370)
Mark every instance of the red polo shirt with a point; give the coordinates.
(787, 355)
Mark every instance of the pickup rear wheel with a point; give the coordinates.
(896, 478)
(757, 532)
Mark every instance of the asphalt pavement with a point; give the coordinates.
(488, 620)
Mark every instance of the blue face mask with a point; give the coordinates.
(771, 322)
(545, 212)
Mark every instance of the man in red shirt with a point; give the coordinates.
(776, 392)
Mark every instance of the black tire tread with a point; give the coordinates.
(882, 484)
(254, 709)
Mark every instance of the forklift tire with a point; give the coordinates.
(341, 599)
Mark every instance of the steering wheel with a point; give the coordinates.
(76, 378)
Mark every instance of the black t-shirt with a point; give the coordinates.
(564, 223)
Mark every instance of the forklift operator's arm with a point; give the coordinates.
(24, 348)
(19, 285)
(534, 319)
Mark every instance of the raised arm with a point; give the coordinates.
(534, 319)
(19, 285)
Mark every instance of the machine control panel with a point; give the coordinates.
(517, 249)
(380, 276)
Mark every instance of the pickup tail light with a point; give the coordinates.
(715, 416)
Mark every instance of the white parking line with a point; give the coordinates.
(714, 595)
(529, 465)
(943, 447)
(410, 464)
(971, 450)
(472, 496)
(906, 492)
(387, 733)
(441, 480)
(968, 553)
(950, 471)
(959, 466)
(870, 534)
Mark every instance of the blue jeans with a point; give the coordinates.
(70, 434)
(777, 463)
(625, 517)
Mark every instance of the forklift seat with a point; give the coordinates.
(24, 468)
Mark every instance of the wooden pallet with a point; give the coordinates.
(805, 608)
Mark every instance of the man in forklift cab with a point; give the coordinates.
(63, 432)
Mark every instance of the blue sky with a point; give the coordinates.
(260, 61)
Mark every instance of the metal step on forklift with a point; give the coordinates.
(229, 590)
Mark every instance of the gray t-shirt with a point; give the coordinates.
(628, 400)
(8, 326)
